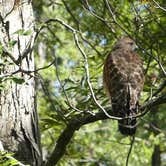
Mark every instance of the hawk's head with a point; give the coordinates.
(126, 43)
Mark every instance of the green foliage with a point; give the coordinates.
(12, 43)
(6, 159)
(64, 86)
(23, 32)
(17, 80)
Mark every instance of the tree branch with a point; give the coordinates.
(158, 6)
(80, 120)
(131, 146)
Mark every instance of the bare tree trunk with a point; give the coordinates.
(19, 131)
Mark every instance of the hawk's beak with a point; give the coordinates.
(135, 47)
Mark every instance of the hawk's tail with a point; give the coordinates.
(128, 126)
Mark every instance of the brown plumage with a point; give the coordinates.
(123, 80)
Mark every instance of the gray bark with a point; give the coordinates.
(19, 131)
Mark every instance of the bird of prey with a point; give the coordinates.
(123, 80)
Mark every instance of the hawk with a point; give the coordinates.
(123, 79)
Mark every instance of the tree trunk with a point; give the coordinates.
(156, 159)
(19, 131)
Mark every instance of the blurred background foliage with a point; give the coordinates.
(63, 90)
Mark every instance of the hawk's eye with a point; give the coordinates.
(131, 43)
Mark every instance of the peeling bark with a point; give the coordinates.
(19, 131)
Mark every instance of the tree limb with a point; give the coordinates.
(80, 120)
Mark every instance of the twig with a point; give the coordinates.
(25, 71)
(9, 74)
(114, 18)
(87, 8)
(53, 102)
(78, 27)
(62, 23)
(153, 126)
(161, 87)
(159, 6)
(131, 146)
(64, 92)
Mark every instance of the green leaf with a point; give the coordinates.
(12, 43)
(18, 80)
(19, 32)
(50, 121)
(28, 32)
(2, 87)
(23, 32)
